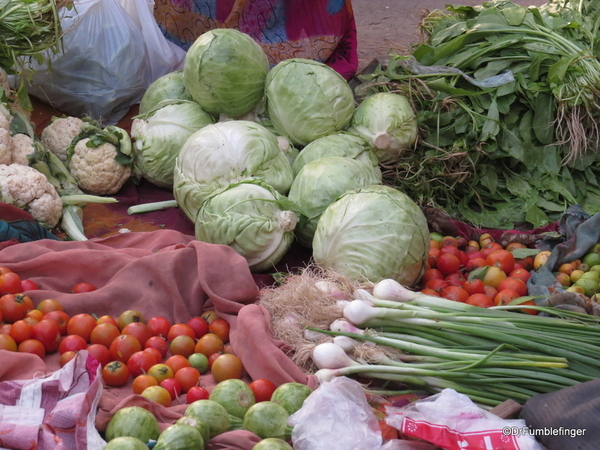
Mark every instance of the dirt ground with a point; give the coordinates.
(386, 26)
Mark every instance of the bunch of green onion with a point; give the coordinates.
(28, 28)
(490, 354)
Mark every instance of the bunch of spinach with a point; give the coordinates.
(507, 154)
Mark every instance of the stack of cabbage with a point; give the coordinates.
(236, 182)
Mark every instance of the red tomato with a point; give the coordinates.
(456, 293)
(107, 319)
(475, 254)
(436, 285)
(82, 325)
(490, 291)
(448, 263)
(29, 285)
(49, 304)
(139, 330)
(123, 346)
(47, 332)
(177, 362)
(263, 389)
(432, 256)
(187, 377)
(197, 393)
(172, 386)
(140, 363)
(521, 273)
(480, 300)
(32, 346)
(158, 394)
(142, 382)
(209, 316)
(104, 334)
(505, 296)
(475, 263)
(449, 249)
(83, 287)
(5, 328)
(159, 326)
(455, 279)
(10, 283)
(7, 343)
(516, 284)
(182, 345)
(179, 329)
(474, 286)
(489, 248)
(14, 306)
(155, 353)
(34, 314)
(199, 325)
(115, 374)
(227, 366)
(208, 344)
(21, 331)
(66, 357)
(72, 343)
(100, 352)
(61, 318)
(211, 358)
(501, 258)
(159, 343)
(431, 274)
(533, 312)
(4, 270)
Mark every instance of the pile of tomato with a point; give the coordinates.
(477, 272)
(164, 360)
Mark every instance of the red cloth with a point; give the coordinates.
(160, 273)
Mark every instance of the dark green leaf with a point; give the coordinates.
(537, 217)
(515, 14)
(543, 119)
(491, 126)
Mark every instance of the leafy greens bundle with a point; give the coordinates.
(507, 103)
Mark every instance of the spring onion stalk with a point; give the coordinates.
(72, 223)
(150, 207)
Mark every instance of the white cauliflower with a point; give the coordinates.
(22, 146)
(96, 169)
(5, 139)
(30, 190)
(57, 136)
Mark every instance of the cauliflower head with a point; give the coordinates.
(30, 190)
(22, 146)
(57, 136)
(96, 170)
(5, 139)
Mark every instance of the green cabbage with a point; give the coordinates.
(160, 134)
(225, 72)
(373, 233)
(320, 183)
(307, 100)
(223, 153)
(339, 144)
(250, 217)
(167, 87)
(388, 122)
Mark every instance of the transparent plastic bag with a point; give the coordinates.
(108, 59)
(452, 421)
(336, 416)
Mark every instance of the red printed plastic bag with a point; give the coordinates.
(53, 412)
(453, 422)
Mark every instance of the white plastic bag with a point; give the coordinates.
(336, 416)
(453, 422)
(108, 60)
(163, 55)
